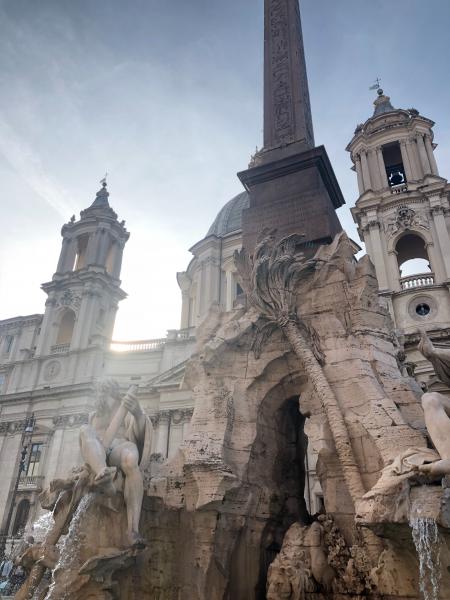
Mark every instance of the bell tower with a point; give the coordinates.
(84, 293)
(403, 216)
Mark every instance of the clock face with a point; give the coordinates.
(52, 370)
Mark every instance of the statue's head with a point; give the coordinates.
(107, 394)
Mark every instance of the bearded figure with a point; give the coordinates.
(118, 436)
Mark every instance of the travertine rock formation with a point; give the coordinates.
(226, 519)
(227, 501)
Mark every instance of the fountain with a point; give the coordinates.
(310, 361)
(428, 546)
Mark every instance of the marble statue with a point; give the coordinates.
(117, 436)
(436, 408)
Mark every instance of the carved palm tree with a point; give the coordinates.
(270, 279)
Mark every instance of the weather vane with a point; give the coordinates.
(376, 85)
(103, 181)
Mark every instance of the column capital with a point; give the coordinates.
(437, 210)
(163, 417)
(373, 224)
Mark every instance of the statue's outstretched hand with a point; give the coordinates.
(131, 403)
(425, 345)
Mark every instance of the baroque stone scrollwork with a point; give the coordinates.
(406, 218)
(69, 299)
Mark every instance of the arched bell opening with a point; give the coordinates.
(413, 261)
(66, 327)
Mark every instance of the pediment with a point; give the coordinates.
(171, 377)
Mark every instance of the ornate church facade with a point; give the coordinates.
(49, 362)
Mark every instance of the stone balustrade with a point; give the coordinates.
(59, 348)
(138, 346)
(30, 483)
(415, 281)
(156, 344)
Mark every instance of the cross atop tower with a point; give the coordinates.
(287, 109)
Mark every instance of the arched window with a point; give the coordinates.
(80, 257)
(22, 512)
(66, 326)
(412, 255)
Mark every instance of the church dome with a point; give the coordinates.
(229, 218)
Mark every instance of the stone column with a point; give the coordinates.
(430, 154)
(382, 168)
(366, 171)
(187, 416)
(423, 155)
(359, 174)
(230, 290)
(45, 337)
(411, 149)
(184, 309)
(199, 305)
(62, 256)
(394, 271)
(176, 432)
(92, 248)
(374, 169)
(406, 161)
(71, 252)
(373, 227)
(117, 259)
(442, 236)
(105, 242)
(163, 433)
(82, 329)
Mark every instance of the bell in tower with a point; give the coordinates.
(402, 214)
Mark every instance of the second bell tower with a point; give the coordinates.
(403, 217)
(84, 292)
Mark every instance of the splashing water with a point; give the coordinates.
(41, 527)
(426, 538)
(69, 550)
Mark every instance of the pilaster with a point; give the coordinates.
(437, 212)
(430, 154)
(425, 163)
(366, 172)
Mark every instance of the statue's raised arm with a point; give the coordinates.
(438, 357)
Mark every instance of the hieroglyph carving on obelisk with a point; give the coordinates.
(287, 109)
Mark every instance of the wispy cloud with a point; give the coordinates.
(28, 166)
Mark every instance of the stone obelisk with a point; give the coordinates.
(291, 182)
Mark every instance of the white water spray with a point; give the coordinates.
(427, 541)
(41, 527)
(69, 550)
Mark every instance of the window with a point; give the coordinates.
(2, 381)
(66, 326)
(22, 512)
(80, 257)
(9, 339)
(393, 162)
(34, 460)
(239, 290)
(423, 309)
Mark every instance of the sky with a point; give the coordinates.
(166, 96)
